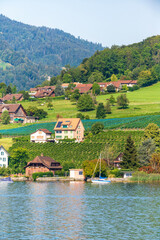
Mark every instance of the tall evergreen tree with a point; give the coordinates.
(101, 112)
(130, 160)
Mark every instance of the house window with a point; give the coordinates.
(65, 132)
(64, 126)
(80, 173)
(58, 131)
(0, 165)
(4, 159)
(79, 126)
(71, 131)
(58, 136)
(0, 158)
(2, 153)
(4, 165)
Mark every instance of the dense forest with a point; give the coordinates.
(140, 61)
(29, 54)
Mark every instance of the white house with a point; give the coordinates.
(3, 157)
(76, 174)
(40, 136)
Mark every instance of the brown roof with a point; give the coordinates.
(128, 81)
(9, 97)
(72, 124)
(83, 88)
(44, 93)
(46, 161)
(11, 108)
(43, 130)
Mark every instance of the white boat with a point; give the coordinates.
(100, 180)
(6, 180)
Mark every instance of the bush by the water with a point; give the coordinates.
(41, 174)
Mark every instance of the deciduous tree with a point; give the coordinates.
(122, 101)
(101, 112)
(85, 103)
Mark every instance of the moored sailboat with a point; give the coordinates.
(100, 179)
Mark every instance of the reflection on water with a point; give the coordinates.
(78, 210)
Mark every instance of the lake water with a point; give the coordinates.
(78, 210)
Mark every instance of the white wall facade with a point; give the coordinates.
(3, 157)
(39, 137)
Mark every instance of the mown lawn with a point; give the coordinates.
(142, 101)
(6, 143)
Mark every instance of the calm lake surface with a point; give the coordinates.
(78, 210)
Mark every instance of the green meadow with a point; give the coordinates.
(142, 101)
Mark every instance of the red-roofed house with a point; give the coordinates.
(9, 97)
(83, 88)
(42, 164)
(40, 136)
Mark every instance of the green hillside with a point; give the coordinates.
(36, 52)
(76, 153)
(137, 61)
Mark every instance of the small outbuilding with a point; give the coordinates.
(127, 174)
(76, 174)
(42, 164)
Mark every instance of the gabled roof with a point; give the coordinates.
(4, 150)
(43, 93)
(128, 81)
(72, 124)
(9, 97)
(11, 108)
(46, 161)
(43, 130)
(83, 88)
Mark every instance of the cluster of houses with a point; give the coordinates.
(65, 128)
(48, 91)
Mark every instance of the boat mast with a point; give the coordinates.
(100, 166)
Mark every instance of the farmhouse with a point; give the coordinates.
(40, 136)
(16, 112)
(42, 164)
(69, 128)
(3, 157)
(10, 97)
(41, 92)
(83, 88)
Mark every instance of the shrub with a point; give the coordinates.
(116, 172)
(41, 174)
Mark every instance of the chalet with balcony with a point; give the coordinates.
(69, 128)
(118, 160)
(42, 164)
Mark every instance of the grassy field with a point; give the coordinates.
(6, 143)
(142, 101)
